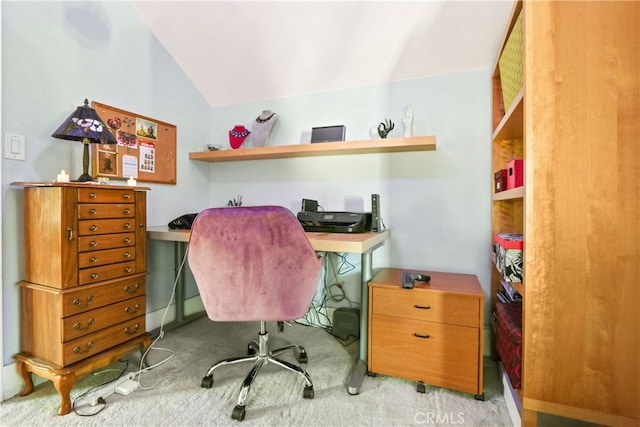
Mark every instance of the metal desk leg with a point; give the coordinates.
(360, 369)
(180, 248)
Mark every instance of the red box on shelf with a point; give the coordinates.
(500, 180)
(515, 173)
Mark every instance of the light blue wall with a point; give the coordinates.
(435, 203)
(56, 54)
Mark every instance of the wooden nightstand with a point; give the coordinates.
(82, 303)
(431, 334)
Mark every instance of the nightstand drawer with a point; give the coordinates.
(106, 272)
(89, 297)
(106, 241)
(97, 210)
(92, 321)
(455, 309)
(435, 353)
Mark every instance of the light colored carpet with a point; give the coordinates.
(275, 398)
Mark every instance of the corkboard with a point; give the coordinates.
(146, 148)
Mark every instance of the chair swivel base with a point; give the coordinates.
(258, 352)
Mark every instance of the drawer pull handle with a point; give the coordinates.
(79, 327)
(78, 350)
(135, 310)
(127, 240)
(127, 254)
(92, 211)
(93, 228)
(128, 330)
(93, 259)
(415, 334)
(127, 196)
(128, 289)
(93, 244)
(94, 276)
(70, 231)
(79, 303)
(127, 270)
(127, 226)
(127, 211)
(92, 195)
(422, 307)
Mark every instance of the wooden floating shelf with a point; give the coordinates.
(514, 193)
(389, 145)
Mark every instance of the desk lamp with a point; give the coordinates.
(86, 126)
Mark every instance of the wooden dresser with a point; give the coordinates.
(82, 303)
(431, 334)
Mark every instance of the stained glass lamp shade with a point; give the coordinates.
(86, 126)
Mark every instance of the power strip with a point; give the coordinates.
(121, 386)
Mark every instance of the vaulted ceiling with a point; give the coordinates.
(245, 51)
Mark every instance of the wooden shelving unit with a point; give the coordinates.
(389, 145)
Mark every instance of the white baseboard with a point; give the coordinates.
(12, 382)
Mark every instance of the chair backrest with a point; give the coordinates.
(253, 263)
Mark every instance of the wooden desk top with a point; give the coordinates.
(323, 242)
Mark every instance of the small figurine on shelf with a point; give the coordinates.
(407, 120)
(385, 128)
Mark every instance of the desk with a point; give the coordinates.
(361, 243)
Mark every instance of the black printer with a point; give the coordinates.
(335, 222)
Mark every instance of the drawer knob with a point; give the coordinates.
(93, 259)
(92, 195)
(78, 350)
(422, 307)
(129, 290)
(79, 327)
(415, 334)
(93, 228)
(134, 310)
(126, 196)
(92, 211)
(127, 211)
(94, 276)
(127, 254)
(127, 226)
(79, 303)
(93, 244)
(127, 240)
(127, 270)
(130, 331)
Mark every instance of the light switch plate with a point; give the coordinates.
(14, 146)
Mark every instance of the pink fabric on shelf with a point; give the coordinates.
(253, 263)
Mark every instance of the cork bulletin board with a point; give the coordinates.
(146, 148)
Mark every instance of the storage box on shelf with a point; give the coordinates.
(508, 254)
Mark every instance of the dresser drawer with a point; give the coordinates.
(105, 195)
(97, 210)
(91, 321)
(106, 272)
(422, 304)
(105, 226)
(109, 256)
(89, 297)
(435, 353)
(106, 241)
(88, 345)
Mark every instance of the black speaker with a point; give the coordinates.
(375, 213)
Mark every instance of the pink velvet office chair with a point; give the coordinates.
(254, 264)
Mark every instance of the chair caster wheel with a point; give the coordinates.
(302, 356)
(207, 382)
(238, 413)
(308, 392)
(420, 387)
(251, 349)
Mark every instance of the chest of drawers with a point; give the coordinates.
(82, 303)
(432, 333)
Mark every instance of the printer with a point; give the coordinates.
(335, 222)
